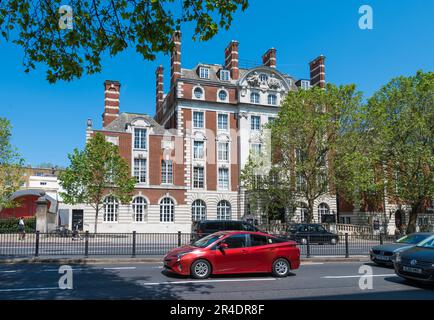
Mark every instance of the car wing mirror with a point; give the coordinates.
(223, 246)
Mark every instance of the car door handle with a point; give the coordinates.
(243, 251)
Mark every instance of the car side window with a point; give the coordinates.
(272, 240)
(236, 241)
(258, 240)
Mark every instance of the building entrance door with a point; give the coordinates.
(77, 217)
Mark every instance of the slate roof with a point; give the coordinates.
(124, 118)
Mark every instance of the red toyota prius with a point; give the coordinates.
(230, 252)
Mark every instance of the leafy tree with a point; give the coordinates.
(267, 190)
(94, 173)
(105, 27)
(308, 132)
(400, 122)
(11, 172)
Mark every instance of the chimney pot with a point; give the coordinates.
(317, 72)
(111, 101)
(231, 59)
(269, 58)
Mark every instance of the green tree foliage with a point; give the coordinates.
(94, 173)
(11, 172)
(267, 188)
(400, 139)
(308, 133)
(103, 27)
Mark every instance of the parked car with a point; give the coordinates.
(316, 233)
(417, 263)
(232, 252)
(384, 254)
(203, 228)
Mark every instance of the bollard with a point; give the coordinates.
(86, 243)
(347, 251)
(381, 238)
(308, 247)
(37, 244)
(134, 245)
(179, 238)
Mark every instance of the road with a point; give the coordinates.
(149, 281)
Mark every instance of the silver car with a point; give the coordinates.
(384, 254)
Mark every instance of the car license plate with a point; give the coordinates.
(383, 258)
(413, 270)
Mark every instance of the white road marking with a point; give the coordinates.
(204, 281)
(360, 275)
(90, 269)
(29, 289)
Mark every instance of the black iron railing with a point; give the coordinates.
(148, 244)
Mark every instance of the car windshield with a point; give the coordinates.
(427, 243)
(412, 239)
(206, 241)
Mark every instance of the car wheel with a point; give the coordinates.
(333, 241)
(200, 269)
(303, 241)
(280, 268)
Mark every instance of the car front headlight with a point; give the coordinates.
(180, 255)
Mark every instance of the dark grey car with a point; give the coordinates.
(384, 254)
(417, 263)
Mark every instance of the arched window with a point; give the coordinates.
(140, 207)
(272, 99)
(323, 209)
(198, 210)
(198, 93)
(224, 210)
(111, 209)
(167, 209)
(254, 97)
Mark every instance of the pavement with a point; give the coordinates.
(148, 280)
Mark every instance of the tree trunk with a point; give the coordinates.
(309, 218)
(413, 218)
(96, 219)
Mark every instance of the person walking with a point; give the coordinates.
(21, 229)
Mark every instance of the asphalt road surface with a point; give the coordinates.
(149, 281)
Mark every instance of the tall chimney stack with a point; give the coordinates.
(269, 58)
(175, 60)
(159, 96)
(111, 101)
(231, 59)
(317, 72)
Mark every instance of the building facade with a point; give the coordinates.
(187, 159)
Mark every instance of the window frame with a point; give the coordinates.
(255, 126)
(223, 184)
(198, 121)
(167, 210)
(257, 98)
(140, 139)
(198, 177)
(135, 205)
(141, 171)
(165, 172)
(226, 127)
(115, 209)
(204, 72)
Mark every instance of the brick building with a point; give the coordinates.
(187, 159)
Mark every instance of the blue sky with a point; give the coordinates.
(49, 120)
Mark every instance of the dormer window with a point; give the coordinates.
(204, 73)
(305, 84)
(263, 77)
(225, 75)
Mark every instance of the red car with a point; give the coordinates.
(229, 252)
